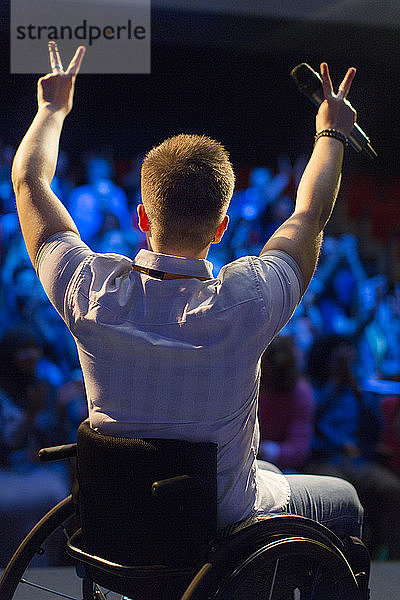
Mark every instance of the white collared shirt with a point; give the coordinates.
(177, 358)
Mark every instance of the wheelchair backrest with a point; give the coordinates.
(127, 520)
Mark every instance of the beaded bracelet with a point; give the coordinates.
(334, 133)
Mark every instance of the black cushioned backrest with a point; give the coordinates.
(122, 521)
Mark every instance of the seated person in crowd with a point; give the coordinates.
(286, 408)
(391, 433)
(348, 430)
(29, 420)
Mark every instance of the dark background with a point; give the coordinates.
(227, 76)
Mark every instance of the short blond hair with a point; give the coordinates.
(187, 184)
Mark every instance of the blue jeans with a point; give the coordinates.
(329, 500)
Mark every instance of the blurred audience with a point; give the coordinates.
(100, 208)
(42, 396)
(347, 439)
(286, 408)
(29, 420)
(391, 436)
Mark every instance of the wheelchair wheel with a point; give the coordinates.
(58, 518)
(289, 569)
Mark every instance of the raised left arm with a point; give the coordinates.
(40, 212)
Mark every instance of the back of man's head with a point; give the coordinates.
(187, 184)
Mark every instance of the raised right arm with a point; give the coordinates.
(300, 236)
(40, 212)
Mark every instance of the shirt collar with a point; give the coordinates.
(197, 267)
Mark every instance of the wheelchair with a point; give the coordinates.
(142, 522)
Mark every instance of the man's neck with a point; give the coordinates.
(202, 254)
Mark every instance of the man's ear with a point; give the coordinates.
(221, 230)
(144, 224)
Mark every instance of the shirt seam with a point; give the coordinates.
(72, 288)
(257, 283)
(54, 236)
(296, 269)
(96, 303)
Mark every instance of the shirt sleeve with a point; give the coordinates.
(281, 286)
(57, 262)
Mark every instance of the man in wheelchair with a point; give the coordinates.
(168, 350)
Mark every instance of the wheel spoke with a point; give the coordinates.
(315, 582)
(271, 591)
(50, 591)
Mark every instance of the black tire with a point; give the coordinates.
(276, 570)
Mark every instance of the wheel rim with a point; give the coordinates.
(276, 570)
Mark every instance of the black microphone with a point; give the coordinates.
(309, 83)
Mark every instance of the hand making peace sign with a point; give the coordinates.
(56, 90)
(336, 111)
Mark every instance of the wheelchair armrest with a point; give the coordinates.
(177, 485)
(57, 453)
